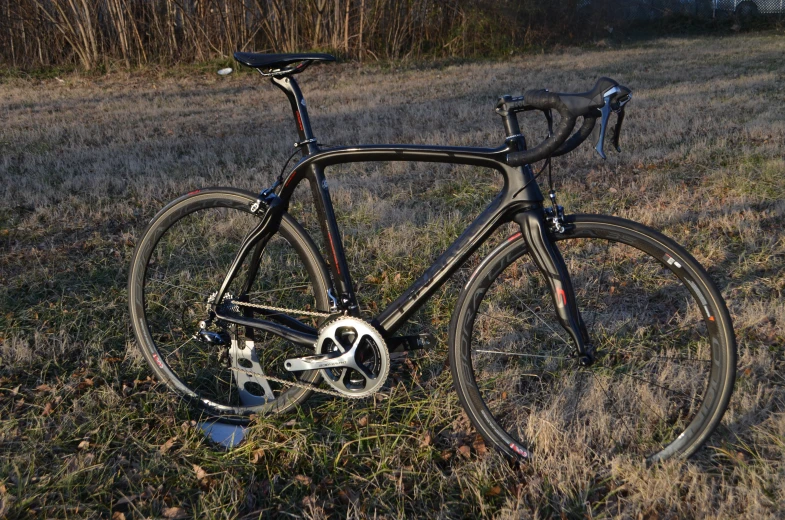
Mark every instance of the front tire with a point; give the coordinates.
(666, 353)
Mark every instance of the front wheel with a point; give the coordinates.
(665, 349)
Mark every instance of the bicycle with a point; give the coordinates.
(590, 328)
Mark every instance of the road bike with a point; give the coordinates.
(589, 330)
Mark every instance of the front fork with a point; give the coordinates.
(551, 264)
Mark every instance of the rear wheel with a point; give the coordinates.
(178, 267)
(666, 353)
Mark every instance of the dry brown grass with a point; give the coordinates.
(85, 163)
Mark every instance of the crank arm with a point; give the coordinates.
(322, 361)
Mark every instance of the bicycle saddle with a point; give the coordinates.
(277, 61)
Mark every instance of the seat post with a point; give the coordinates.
(292, 90)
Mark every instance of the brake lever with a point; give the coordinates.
(615, 99)
(605, 114)
(549, 117)
(617, 129)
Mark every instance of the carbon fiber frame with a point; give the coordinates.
(520, 200)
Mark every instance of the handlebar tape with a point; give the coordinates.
(544, 100)
(570, 107)
(578, 137)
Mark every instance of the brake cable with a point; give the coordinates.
(297, 147)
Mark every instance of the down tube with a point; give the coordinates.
(396, 314)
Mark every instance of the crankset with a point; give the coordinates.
(352, 356)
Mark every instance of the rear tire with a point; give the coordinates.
(666, 353)
(179, 264)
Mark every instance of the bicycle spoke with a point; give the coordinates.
(693, 360)
(184, 288)
(270, 291)
(515, 318)
(599, 285)
(170, 354)
(522, 355)
(607, 395)
(537, 315)
(652, 383)
(577, 399)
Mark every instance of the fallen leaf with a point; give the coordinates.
(3, 489)
(362, 422)
(426, 440)
(201, 474)
(174, 512)
(309, 502)
(117, 515)
(347, 496)
(84, 445)
(446, 455)
(465, 451)
(494, 491)
(167, 445)
(257, 456)
(479, 446)
(303, 479)
(149, 492)
(47, 409)
(43, 388)
(126, 500)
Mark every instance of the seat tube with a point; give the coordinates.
(551, 264)
(332, 238)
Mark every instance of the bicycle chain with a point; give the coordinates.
(282, 310)
(306, 386)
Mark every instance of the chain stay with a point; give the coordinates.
(283, 310)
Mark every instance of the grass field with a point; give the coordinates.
(86, 162)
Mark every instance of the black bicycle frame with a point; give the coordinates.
(520, 200)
